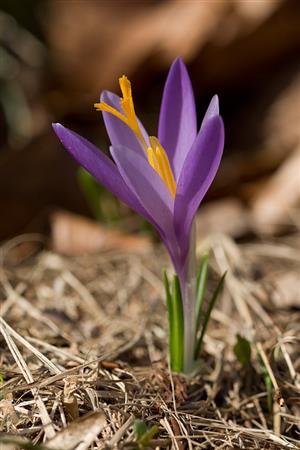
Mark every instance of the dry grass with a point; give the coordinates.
(83, 352)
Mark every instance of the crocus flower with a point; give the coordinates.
(162, 178)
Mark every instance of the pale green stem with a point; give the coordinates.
(188, 292)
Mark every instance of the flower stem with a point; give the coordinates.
(188, 294)
(188, 318)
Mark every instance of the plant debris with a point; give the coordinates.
(83, 352)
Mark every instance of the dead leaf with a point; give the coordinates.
(79, 434)
(72, 234)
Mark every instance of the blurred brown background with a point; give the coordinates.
(57, 55)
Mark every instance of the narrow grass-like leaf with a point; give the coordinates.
(170, 308)
(178, 326)
(176, 323)
(268, 384)
(269, 388)
(211, 305)
(200, 288)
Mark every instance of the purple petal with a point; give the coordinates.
(119, 133)
(97, 164)
(212, 110)
(198, 172)
(177, 121)
(146, 184)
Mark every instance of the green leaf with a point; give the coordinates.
(242, 350)
(269, 389)
(148, 436)
(211, 305)
(139, 429)
(176, 324)
(200, 288)
(268, 383)
(143, 434)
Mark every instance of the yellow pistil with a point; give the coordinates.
(157, 156)
(158, 159)
(127, 100)
(129, 116)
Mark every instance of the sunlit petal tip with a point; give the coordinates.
(179, 69)
(215, 103)
(212, 110)
(60, 131)
(56, 125)
(178, 63)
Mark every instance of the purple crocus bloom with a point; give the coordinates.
(164, 179)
